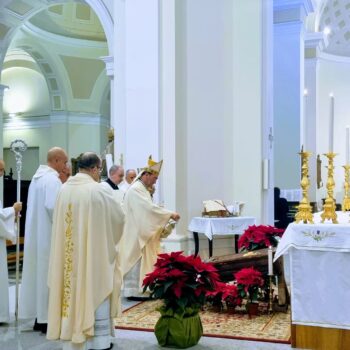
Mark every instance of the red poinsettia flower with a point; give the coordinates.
(258, 237)
(249, 281)
(181, 280)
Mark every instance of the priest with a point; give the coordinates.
(7, 232)
(43, 191)
(144, 224)
(84, 278)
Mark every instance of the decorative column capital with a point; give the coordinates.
(2, 89)
(314, 44)
(109, 62)
(292, 10)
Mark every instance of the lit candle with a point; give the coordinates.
(331, 124)
(347, 146)
(269, 255)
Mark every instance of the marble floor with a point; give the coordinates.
(20, 336)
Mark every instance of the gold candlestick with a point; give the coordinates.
(329, 205)
(304, 208)
(270, 308)
(346, 200)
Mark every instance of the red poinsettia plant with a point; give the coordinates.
(259, 237)
(249, 283)
(224, 292)
(181, 281)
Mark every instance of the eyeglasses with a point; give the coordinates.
(99, 169)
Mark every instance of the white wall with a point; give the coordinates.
(333, 77)
(288, 86)
(218, 105)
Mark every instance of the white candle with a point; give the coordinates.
(347, 145)
(331, 124)
(304, 135)
(269, 255)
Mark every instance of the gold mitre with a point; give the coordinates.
(153, 166)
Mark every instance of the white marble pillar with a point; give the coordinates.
(289, 17)
(2, 90)
(109, 62)
(314, 43)
(118, 92)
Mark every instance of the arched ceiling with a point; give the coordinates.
(70, 20)
(335, 14)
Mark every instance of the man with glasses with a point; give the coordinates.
(84, 278)
(43, 191)
(7, 232)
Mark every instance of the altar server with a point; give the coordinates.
(42, 195)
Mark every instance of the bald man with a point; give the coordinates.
(7, 232)
(130, 176)
(43, 191)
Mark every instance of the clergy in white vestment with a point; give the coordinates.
(144, 223)
(7, 232)
(115, 178)
(130, 176)
(42, 195)
(84, 278)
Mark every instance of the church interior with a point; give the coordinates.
(237, 97)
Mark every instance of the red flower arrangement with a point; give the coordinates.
(181, 281)
(258, 237)
(224, 292)
(249, 283)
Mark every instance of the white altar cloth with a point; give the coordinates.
(234, 225)
(317, 269)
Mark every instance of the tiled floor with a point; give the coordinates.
(21, 337)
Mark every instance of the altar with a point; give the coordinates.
(317, 270)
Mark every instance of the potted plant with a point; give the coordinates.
(224, 293)
(182, 282)
(250, 283)
(259, 237)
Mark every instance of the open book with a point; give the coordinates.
(214, 205)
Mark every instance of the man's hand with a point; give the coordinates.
(17, 207)
(175, 216)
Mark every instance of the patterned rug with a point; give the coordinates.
(270, 328)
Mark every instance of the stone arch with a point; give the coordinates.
(15, 17)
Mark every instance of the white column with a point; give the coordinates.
(118, 92)
(314, 42)
(109, 62)
(267, 111)
(2, 90)
(136, 82)
(167, 126)
(289, 16)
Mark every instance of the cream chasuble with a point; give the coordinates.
(7, 232)
(88, 224)
(144, 222)
(34, 294)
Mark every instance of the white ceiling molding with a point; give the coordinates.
(42, 34)
(79, 118)
(24, 123)
(37, 122)
(334, 58)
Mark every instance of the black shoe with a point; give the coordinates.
(110, 347)
(138, 298)
(44, 328)
(40, 327)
